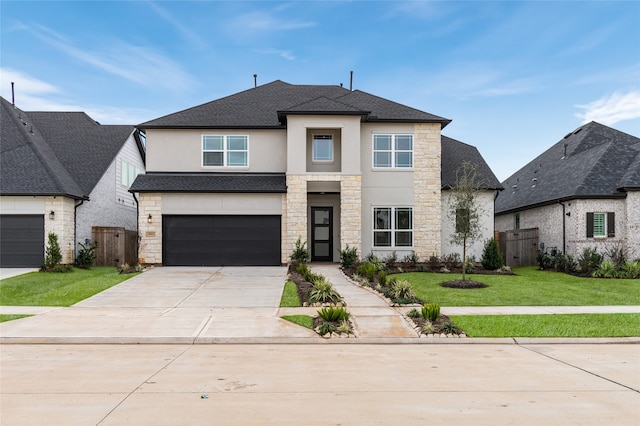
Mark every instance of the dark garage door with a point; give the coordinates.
(220, 240)
(21, 241)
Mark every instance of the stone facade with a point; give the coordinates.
(351, 212)
(427, 211)
(296, 214)
(150, 250)
(63, 225)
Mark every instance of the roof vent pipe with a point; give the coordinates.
(565, 150)
(13, 95)
(351, 81)
(255, 80)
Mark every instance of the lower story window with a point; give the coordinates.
(601, 225)
(392, 227)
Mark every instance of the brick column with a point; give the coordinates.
(150, 251)
(427, 213)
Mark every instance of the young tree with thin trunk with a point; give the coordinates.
(465, 209)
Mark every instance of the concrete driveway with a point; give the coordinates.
(170, 305)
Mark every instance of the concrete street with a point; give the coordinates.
(479, 384)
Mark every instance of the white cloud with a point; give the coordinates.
(32, 94)
(286, 54)
(186, 32)
(611, 110)
(141, 65)
(263, 21)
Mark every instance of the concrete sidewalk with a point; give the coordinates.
(231, 305)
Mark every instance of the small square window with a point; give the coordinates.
(393, 151)
(225, 151)
(393, 227)
(322, 148)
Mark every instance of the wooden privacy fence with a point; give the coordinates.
(519, 247)
(116, 246)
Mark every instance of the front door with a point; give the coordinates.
(321, 233)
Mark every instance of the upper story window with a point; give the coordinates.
(392, 227)
(225, 151)
(393, 151)
(128, 173)
(322, 148)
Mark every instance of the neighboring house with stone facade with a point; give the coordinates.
(62, 172)
(582, 192)
(238, 180)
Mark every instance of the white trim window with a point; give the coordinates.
(225, 151)
(392, 226)
(322, 148)
(392, 151)
(128, 173)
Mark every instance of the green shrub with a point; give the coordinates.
(348, 256)
(86, 256)
(589, 260)
(412, 258)
(333, 313)
(344, 327)
(326, 328)
(300, 252)
(545, 261)
(323, 292)
(630, 269)
(606, 270)
(367, 269)
(52, 256)
(616, 253)
(413, 313)
(565, 263)
(431, 311)
(449, 328)
(452, 260)
(400, 291)
(491, 257)
(391, 259)
(469, 265)
(382, 277)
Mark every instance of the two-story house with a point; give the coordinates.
(62, 173)
(238, 180)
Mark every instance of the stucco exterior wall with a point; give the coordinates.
(241, 204)
(485, 201)
(181, 150)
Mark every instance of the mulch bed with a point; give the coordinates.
(463, 284)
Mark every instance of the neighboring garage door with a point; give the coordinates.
(21, 241)
(220, 240)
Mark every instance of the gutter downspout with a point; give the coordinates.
(75, 229)
(564, 227)
(137, 226)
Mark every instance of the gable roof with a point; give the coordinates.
(454, 153)
(55, 153)
(266, 106)
(593, 161)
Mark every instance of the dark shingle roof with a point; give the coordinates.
(210, 182)
(594, 161)
(454, 153)
(55, 153)
(260, 107)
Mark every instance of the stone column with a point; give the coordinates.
(427, 186)
(632, 230)
(150, 250)
(351, 212)
(62, 224)
(296, 213)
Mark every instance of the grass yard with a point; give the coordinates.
(303, 320)
(11, 317)
(573, 325)
(56, 288)
(529, 287)
(290, 298)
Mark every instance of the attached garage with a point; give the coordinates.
(21, 241)
(221, 240)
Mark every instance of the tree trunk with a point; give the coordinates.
(464, 258)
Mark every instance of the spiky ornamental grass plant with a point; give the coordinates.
(323, 292)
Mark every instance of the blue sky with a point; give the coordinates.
(514, 76)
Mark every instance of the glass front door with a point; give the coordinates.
(321, 233)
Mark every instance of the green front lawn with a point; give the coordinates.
(56, 288)
(303, 320)
(574, 325)
(11, 317)
(529, 287)
(290, 298)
